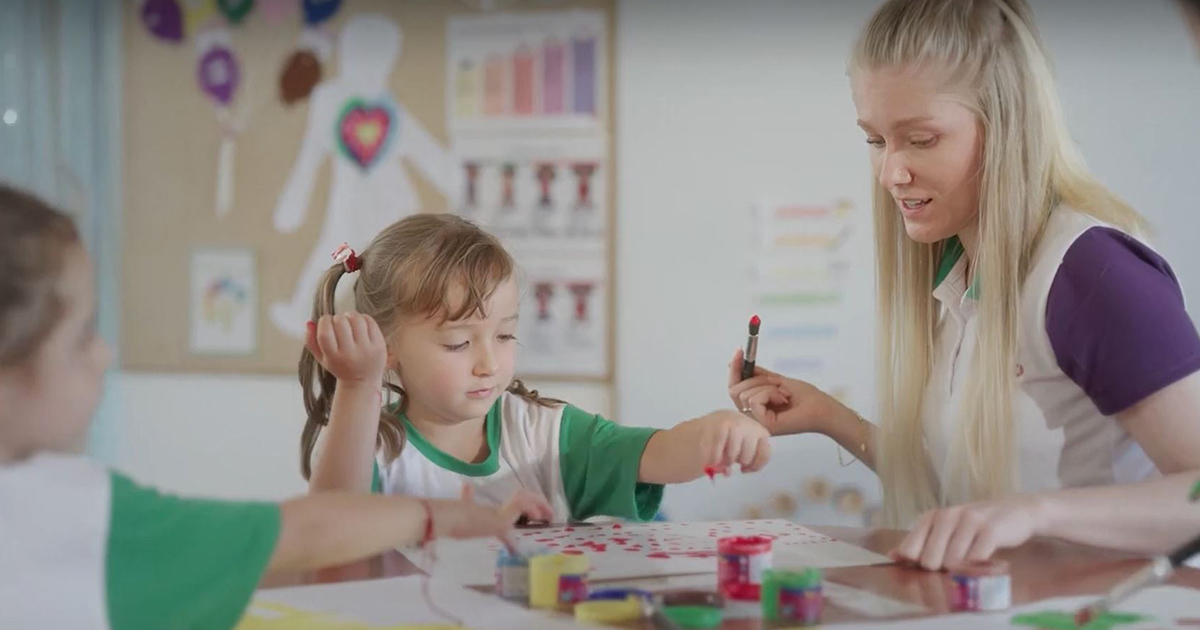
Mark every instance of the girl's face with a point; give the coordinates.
(454, 371)
(47, 403)
(925, 146)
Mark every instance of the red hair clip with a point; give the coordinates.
(345, 255)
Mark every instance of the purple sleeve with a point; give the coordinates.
(1116, 320)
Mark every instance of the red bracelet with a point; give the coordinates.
(428, 537)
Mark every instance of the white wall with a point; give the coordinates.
(721, 102)
(232, 436)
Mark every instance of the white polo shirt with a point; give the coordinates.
(1102, 326)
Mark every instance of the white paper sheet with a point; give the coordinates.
(645, 549)
(223, 314)
(391, 603)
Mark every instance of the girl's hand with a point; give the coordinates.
(728, 438)
(969, 533)
(783, 405)
(467, 519)
(531, 505)
(350, 346)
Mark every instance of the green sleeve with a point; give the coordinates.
(376, 479)
(599, 462)
(183, 564)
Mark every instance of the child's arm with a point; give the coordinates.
(352, 348)
(719, 439)
(614, 470)
(180, 563)
(335, 528)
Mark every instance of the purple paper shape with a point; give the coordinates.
(164, 19)
(218, 74)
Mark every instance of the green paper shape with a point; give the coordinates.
(1056, 620)
(235, 10)
(1195, 493)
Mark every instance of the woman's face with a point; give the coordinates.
(926, 147)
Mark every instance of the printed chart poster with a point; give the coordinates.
(539, 71)
(526, 108)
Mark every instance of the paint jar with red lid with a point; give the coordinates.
(741, 561)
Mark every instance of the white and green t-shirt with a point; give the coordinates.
(85, 548)
(583, 464)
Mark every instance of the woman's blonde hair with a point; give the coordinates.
(409, 270)
(1029, 165)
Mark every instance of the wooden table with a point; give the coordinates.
(1040, 569)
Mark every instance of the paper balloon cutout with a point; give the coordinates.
(364, 130)
(301, 73)
(235, 10)
(317, 11)
(164, 19)
(276, 11)
(218, 74)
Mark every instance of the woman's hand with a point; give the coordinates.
(969, 533)
(783, 405)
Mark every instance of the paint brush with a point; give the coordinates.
(1158, 571)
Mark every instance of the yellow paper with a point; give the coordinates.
(286, 618)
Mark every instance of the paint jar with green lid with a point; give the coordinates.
(792, 595)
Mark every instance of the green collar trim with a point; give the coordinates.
(950, 256)
(444, 460)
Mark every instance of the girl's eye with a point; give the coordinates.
(456, 347)
(922, 142)
(508, 337)
(875, 142)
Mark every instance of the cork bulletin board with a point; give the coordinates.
(236, 179)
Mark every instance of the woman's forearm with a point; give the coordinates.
(1150, 517)
(851, 432)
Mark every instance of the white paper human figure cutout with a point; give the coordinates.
(355, 117)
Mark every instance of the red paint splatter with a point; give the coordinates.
(543, 540)
(620, 541)
(568, 529)
(657, 556)
(572, 552)
(551, 544)
(601, 548)
(616, 526)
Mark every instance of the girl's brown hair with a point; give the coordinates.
(410, 269)
(34, 241)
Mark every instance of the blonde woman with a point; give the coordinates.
(1038, 373)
